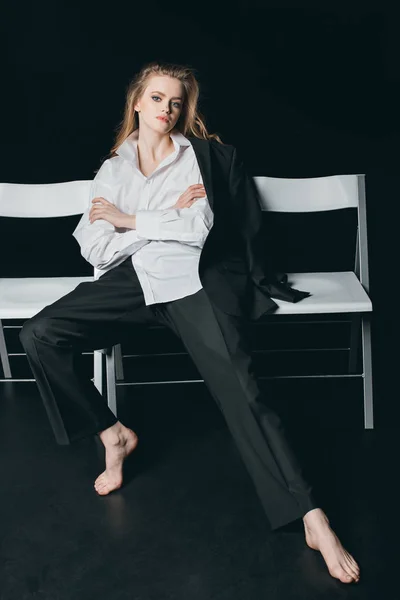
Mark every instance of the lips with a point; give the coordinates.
(163, 119)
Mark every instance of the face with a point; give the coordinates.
(163, 97)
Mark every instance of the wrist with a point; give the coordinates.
(131, 222)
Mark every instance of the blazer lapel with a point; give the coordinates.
(202, 151)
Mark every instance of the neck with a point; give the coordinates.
(153, 145)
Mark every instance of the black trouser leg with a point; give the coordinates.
(218, 344)
(90, 317)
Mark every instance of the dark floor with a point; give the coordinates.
(188, 524)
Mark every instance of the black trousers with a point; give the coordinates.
(91, 317)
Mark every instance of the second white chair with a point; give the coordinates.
(24, 297)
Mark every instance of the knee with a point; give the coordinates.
(38, 326)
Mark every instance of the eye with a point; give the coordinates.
(177, 103)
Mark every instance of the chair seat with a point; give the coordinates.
(337, 292)
(22, 298)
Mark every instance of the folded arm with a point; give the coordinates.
(101, 245)
(189, 225)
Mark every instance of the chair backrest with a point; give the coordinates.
(44, 199)
(307, 195)
(315, 194)
(276, 194)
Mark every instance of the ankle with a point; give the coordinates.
(112, 434)
(316, 515)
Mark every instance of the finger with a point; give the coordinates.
(196, 195)
(94, 211)
(96, 214)
(189, 203)
(101, 207)
(101, 200)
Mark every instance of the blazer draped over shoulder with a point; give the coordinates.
(233, 270)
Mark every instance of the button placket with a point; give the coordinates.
(148, 182)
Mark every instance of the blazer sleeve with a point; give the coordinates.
(100, 242)
(248, 212)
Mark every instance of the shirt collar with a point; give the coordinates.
(128, 148)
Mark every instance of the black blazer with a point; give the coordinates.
(232, 269)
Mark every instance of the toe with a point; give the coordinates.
(352, 575)
(351, 571)
(103, 490)
(348, 569)
(100, 484)
(352, 567)
(99, 480)
(345, 577)
(356, 568)
(355, 572)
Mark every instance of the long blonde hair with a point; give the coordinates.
(190, 123)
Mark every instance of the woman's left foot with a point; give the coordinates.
(320, 536)
(119, 442)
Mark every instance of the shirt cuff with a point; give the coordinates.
(148, 224)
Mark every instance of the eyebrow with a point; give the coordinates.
(156, 92)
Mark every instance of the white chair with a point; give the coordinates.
(22, 298)
(338, 292)
(332, 292)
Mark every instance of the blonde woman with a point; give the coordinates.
(174, 222)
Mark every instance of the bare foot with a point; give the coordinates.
(119, 442)
(320, 536)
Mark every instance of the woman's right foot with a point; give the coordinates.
(119, 442)
(320, 536)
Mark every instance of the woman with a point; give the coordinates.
(174, 223)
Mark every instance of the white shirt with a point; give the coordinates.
(167, 243)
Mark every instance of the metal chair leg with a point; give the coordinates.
(354, 342)
(367, 371)
(5, 363)
(111, 383)
(98, 370)
(119, 367)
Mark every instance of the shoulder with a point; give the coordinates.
(214, 145)
(222, 148)
(222, 153)
(110, 167)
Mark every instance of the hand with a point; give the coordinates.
(193, 193)
(102, 209)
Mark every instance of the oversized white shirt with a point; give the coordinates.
(166, 245)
